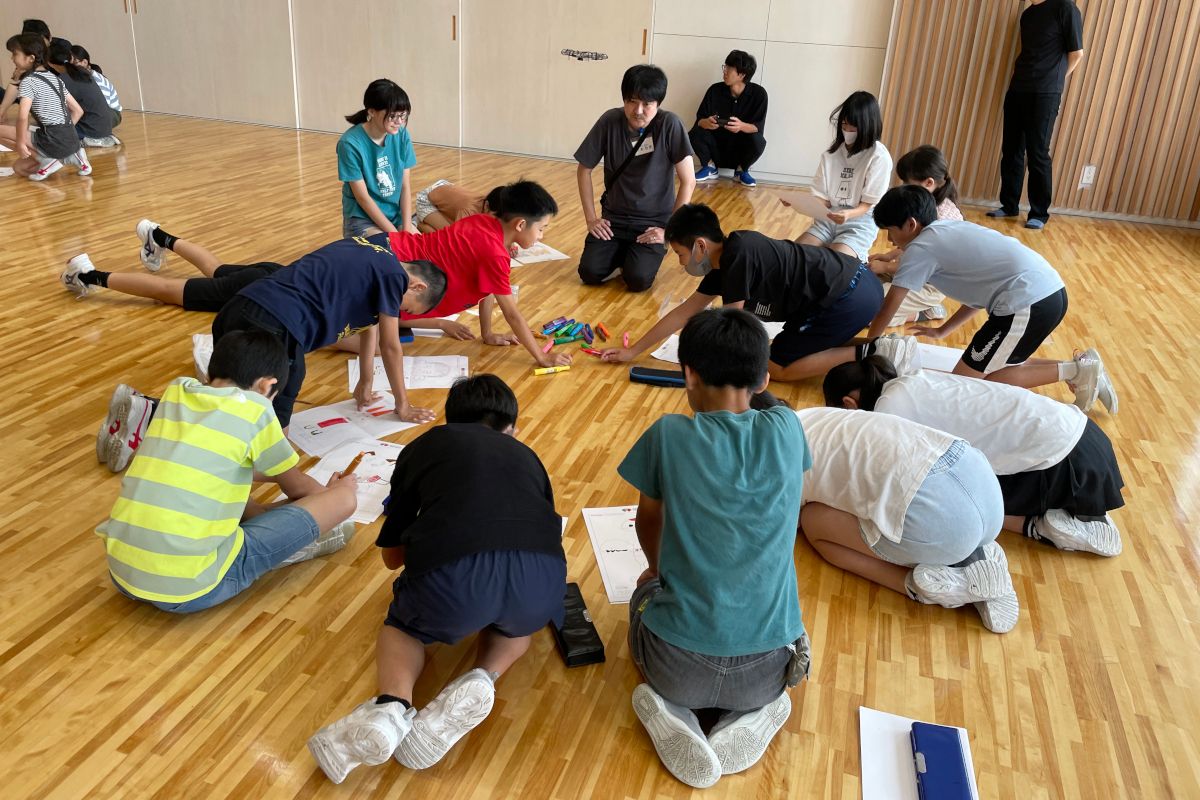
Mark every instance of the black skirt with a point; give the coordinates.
(1087, 483)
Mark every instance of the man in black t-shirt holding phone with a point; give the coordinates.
(1051, 49)
(730, 122)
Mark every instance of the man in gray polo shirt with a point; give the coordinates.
(644, 150)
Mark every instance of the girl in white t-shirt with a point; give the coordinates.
(923, 166)
(1056, 467)
(908, 507)
(851, 177)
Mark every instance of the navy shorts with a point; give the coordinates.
(513, 592)
(833, 326)
(243, 314)
(211, 294)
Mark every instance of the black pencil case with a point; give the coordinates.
(577, 639)
(657, 377)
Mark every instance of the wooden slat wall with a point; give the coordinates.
(1132, 108)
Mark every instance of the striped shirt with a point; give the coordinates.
(48, 106)
(174, 532)
(108, 90)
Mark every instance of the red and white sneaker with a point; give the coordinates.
(133, 417)
(46, 168)
(80, 160)
(112, 425)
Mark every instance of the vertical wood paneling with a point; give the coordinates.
(1132, 108)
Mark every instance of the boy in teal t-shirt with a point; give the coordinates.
(374, 158)
(715, 620)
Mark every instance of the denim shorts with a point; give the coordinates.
(957, 510)
(357, 226)
(270, 538)
(858, 234)
(694, 680)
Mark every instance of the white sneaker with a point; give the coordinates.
(202, 349)
(677, 738)
(132, 419)
(111, 425)
(152, 255)
(70, 276)
(901, 351)
(462, 705)
(103, 141)
(80, 160)
(1066, 532)
(933, 312)
(1000, 614)
(1105, 393)
(739, 740)
(1086, 384)
(46, 168)
(367, 735)
(952, 587)
(331, 541)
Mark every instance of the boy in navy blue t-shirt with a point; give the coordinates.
(479, 555)
(715, 619)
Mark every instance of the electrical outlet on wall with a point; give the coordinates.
(1088, 176)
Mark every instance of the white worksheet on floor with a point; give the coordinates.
(373, 473)
(420, 372)
(539, 252)
(885, 750)
(318, 431)
(618, 552)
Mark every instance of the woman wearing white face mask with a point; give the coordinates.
(851, 177)
(822, 297)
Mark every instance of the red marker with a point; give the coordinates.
(590, 351)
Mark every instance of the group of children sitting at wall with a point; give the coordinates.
(912, 498)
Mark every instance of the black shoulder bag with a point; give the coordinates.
(61, 140)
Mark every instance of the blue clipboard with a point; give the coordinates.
(940, 763)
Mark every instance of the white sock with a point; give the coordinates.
(1068, 370)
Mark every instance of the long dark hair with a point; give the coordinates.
(867, 376)
(924, 163)
(861, 110)
(381, 95)
(60, 55)
(80, 53)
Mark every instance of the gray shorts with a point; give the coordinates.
(693, 680)
(858, 234)
(358, 226)
(957, 511)
(422, 208)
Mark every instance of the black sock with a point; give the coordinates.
(94, 277)
(862, 351)
(163, 239)
(390, 698)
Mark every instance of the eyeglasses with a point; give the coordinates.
(399, 116)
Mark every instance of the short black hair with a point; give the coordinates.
(742, 62)
(646, 82)
(902, 203)
(31, 45)
(245, 356)
(867, 377)
(725, 347)
(691, 221)
(36, 26)
(382, 95)
(522, 199)
(861, 110)
(482, 398)
(434, 278)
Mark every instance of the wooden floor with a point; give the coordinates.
(1096, 694)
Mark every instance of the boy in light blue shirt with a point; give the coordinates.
(374, 159)
(715, 619)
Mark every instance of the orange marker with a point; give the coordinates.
(603, 331)
(356, 461)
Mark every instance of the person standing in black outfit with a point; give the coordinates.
(730, 121)
(1051, 49)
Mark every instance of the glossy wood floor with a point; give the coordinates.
(1094, 695)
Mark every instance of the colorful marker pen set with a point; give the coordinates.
(564, 331)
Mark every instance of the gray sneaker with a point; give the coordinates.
(1086, 384)
(901, 351)
(678, 740)
(933, 312)
(70, 276)
(1105, 393)
(462, 705)
(952, 587)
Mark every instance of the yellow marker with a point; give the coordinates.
(549, 370)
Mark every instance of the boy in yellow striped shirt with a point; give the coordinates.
(184, 534)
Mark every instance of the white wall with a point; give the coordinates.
(811, 55)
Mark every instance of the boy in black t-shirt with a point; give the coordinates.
(479, 555)
(823, 297)
(730, 121)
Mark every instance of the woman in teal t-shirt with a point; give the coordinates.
(374, 158)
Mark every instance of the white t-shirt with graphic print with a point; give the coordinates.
(846, 180)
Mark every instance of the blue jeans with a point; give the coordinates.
(957, 510)
(269, 539)
(694, 680)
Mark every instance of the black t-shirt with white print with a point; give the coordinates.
(777, 278)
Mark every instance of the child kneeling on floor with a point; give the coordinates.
(715, 619)
(480, 555)
(184, 535)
